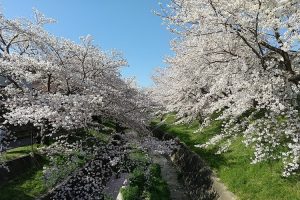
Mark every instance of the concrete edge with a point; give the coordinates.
(219, 187)
(120, 196)
(222, 190)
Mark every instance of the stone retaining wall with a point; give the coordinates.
(89, 181)
(84, 183)
(196, 175)
(198, 178)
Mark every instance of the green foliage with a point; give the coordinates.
(136, 186)
(261, 181)
(154, 170)
(138, 158)
(100, 135)
(143, 185)
(32, 183)
(131, 193)
(158, 188)
(137, 178)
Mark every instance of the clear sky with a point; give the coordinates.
(126, 25)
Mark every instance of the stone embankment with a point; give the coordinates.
(199, 180)
(89, 181)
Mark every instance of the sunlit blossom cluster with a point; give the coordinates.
(235, 57)
(56, 80)
(59, 86)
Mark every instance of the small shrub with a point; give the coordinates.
(137, 178)
(131, 193)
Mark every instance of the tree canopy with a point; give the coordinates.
(236, 57)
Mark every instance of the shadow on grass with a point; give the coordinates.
(29, 185)
(294, 179)
(214, 160)
(261, 181)
(21, 151)
(25, 187)
(19, 195)
(181, 131)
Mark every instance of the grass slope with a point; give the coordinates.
(262, 181)
(31, 183)
(25, 187)
(19, 152)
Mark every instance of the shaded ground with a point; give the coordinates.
(19, 143)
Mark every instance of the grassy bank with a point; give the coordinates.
(25, 187)
(19, 152)
(262, 181)
(31, 184)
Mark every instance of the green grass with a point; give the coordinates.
(131, 193)
(134, 190)
(138, 159)
(100, 135)
(158, 188)
(19, 152)
(138, 156)
(149, 186)
(31, 184)
(26, 187)
(261, 181)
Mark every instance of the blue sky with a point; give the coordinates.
(126, 25)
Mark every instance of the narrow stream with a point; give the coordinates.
(170, 175)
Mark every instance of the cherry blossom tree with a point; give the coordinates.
(55, 84)
(55, 80)
(236, 56)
